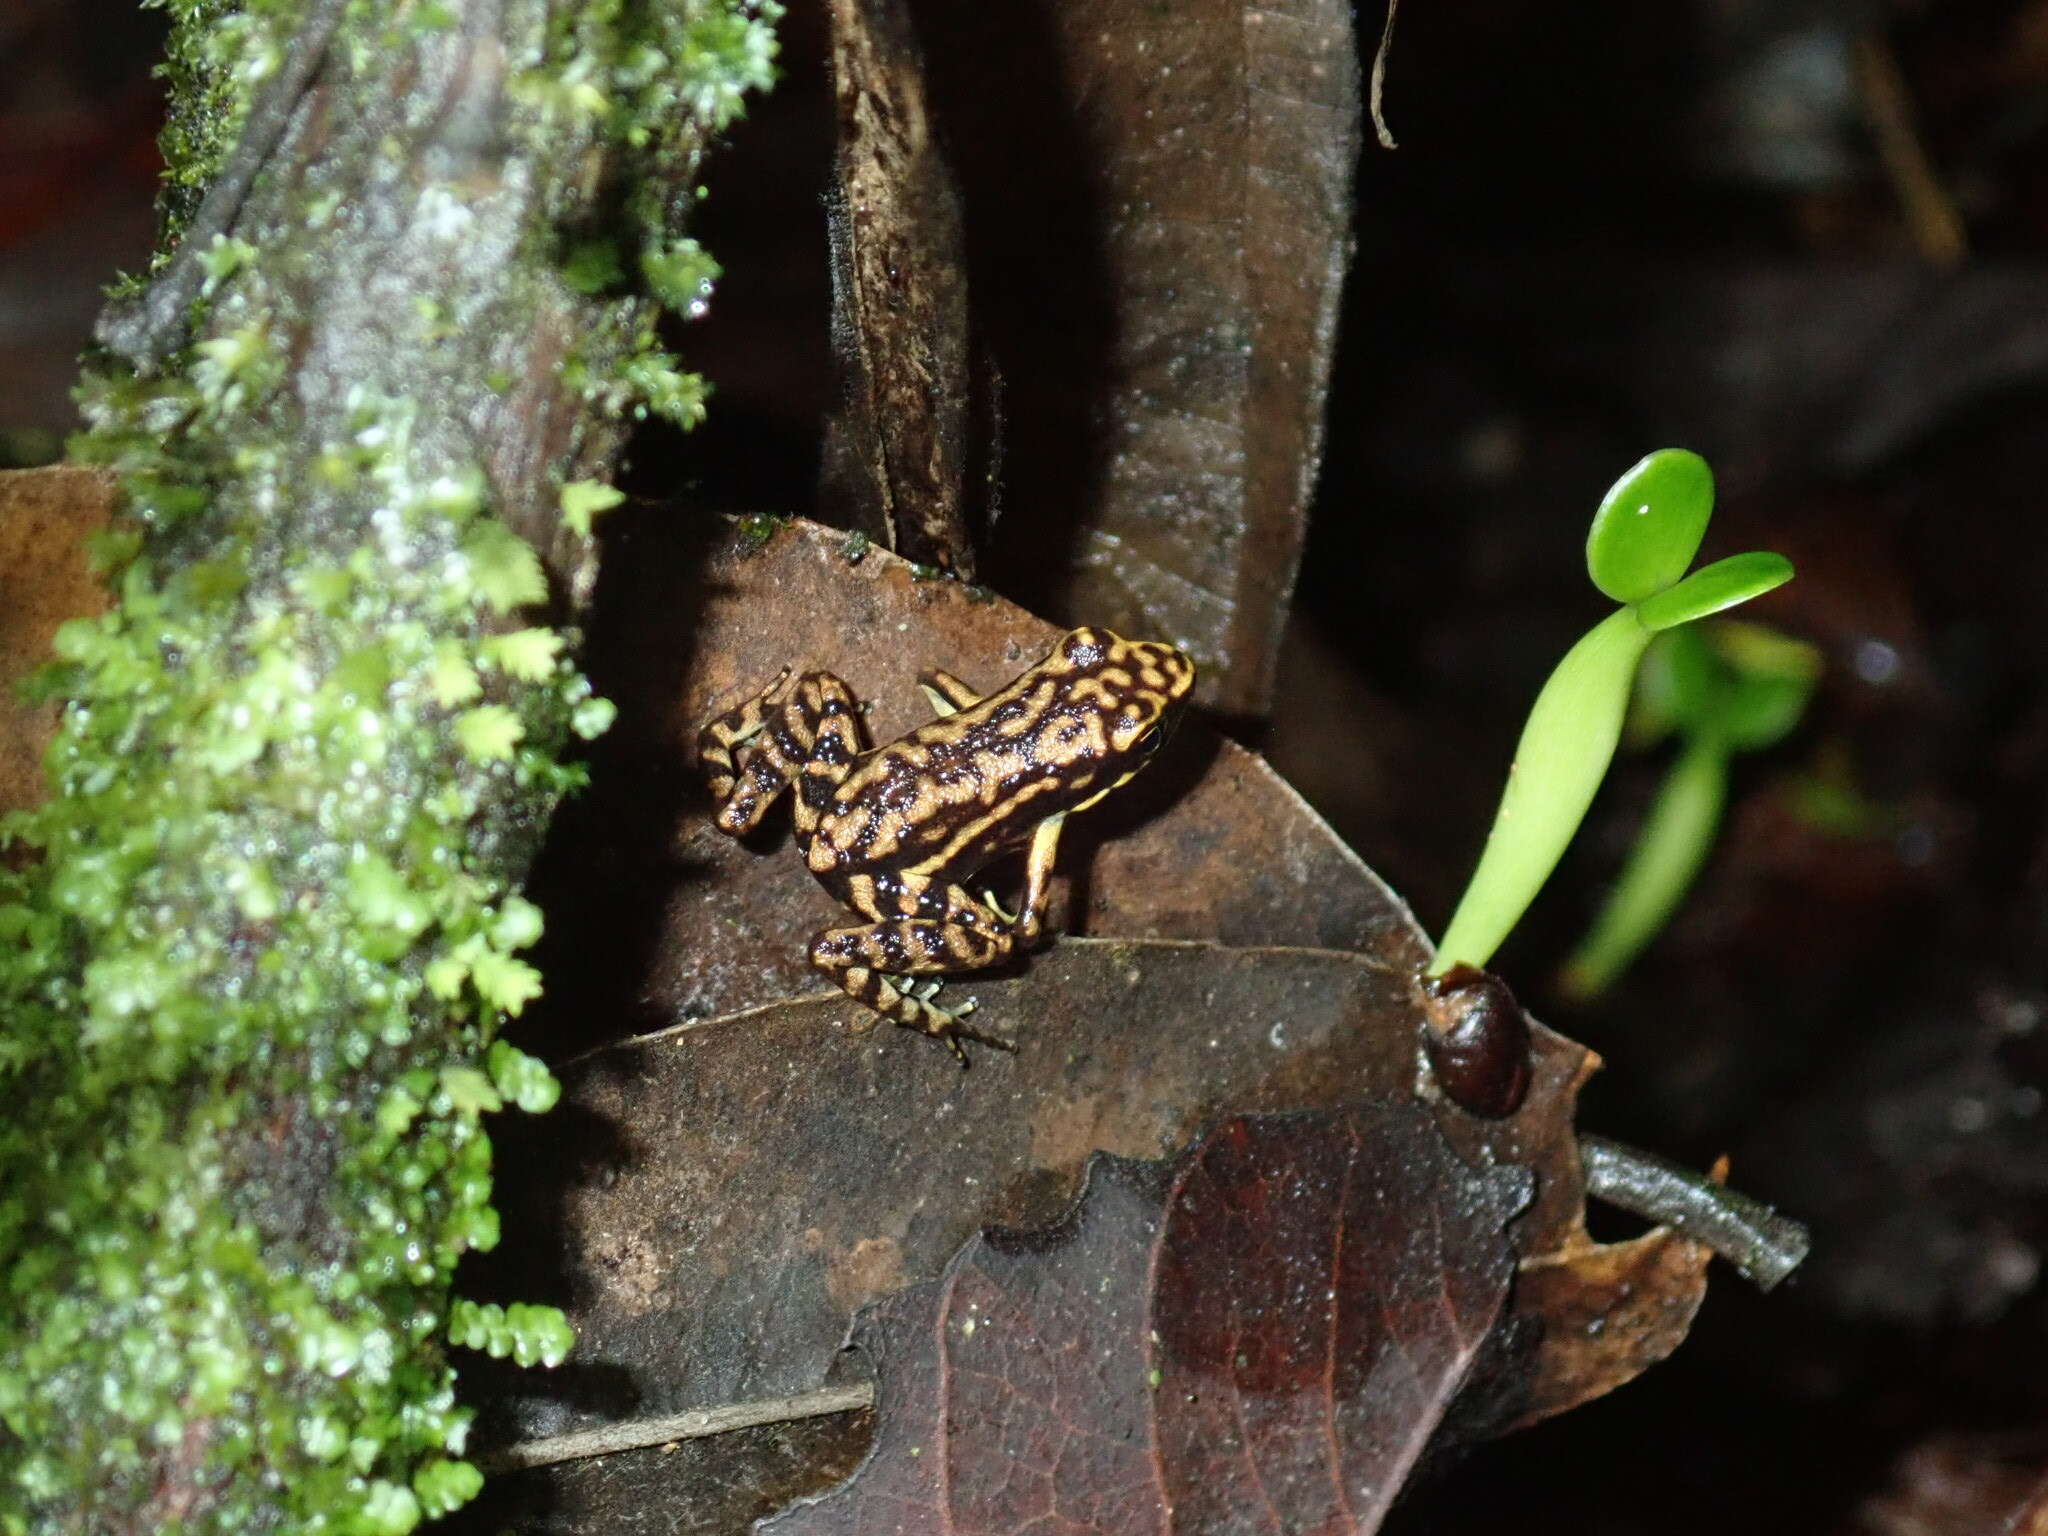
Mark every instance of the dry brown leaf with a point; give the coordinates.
(1158, 208)
(1609, 1312)
(46, 516)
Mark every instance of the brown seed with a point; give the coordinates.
(1477, 1041)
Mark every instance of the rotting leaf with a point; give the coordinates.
(46, 516)
(1261, 1335)
(751, 1182)
(899, 449)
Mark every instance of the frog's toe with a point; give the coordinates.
(953, 1032)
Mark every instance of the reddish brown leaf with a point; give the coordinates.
(45, 517)
(750, 1183)
(1260, 1336)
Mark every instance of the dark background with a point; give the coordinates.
(1610, 226)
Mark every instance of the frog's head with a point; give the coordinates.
(1137, 688)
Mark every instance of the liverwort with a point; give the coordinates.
(1643, 539)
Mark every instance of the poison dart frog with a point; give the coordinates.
(893, 832)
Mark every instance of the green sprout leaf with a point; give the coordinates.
(1715, 587)
(1650, 524)
(1563, 755)
(1763, 710)
(1775, 676)
(1646, 532)
(1661, 868)
(1725, 687)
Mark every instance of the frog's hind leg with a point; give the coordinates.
(754, 751)
(869, 963)
(832, 739)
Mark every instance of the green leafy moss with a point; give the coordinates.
(756, 529)
(255, 948)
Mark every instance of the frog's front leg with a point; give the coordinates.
(866, 961)
(1028, 926)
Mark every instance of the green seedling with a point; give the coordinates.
(1720, 689)
(1642, 541)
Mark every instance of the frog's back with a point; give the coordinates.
(955, 793)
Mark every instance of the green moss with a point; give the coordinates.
(253, 976)
(756, 529)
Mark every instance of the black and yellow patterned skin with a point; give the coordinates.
(892, 833)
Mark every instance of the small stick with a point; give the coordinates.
(1936, 226)
(1376, 94)
(150, 326)
(1764, 1246)
(640, 1434)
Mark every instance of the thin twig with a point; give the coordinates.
(1379, 79)
(147, 328)
(1763, 1245)
(1931, 216)
(640, 1434)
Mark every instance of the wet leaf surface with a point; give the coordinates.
(735, 1188)
(1208, 843)
(1260, 1335)
(46, 515)
(742, 1187)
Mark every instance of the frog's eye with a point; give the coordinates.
(1148, 743)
